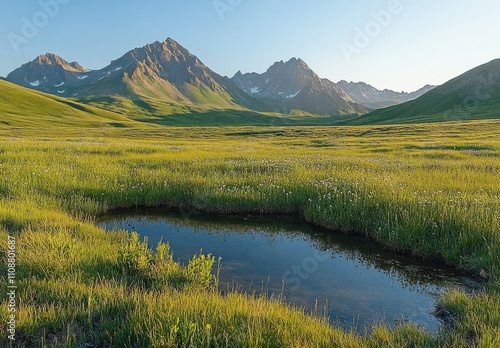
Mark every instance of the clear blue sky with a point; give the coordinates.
(422, 42)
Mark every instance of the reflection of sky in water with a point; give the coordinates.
(360, 281)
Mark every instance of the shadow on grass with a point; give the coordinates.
(242, 118)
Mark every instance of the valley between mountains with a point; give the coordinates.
(163, 81)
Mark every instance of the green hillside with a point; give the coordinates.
(22, 107)
(152, 110)
(473, 95)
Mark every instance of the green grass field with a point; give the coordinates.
(22, 107)
(430, 190)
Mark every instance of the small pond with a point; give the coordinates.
(360, 281)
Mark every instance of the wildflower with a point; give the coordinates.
(208, 327)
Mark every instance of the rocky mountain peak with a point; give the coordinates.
(295, 85)
(161, 52)
(167, 60)
(293, 66)
(78, 67)
(47, 72)
(54, 60)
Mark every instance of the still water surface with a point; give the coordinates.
(360, 281)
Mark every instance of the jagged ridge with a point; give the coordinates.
(294, 85)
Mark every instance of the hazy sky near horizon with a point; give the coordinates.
(395, 44)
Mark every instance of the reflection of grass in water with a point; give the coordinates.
(440, 202)
(408, 271)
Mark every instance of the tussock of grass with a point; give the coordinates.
(476, 321)
(431, 190)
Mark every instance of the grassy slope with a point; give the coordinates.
(424, 110)
(473, 95)
(22, 107)
(156, 111)
(429, 189)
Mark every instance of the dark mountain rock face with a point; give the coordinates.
(167, 60)
(47, 72)
(296, 86)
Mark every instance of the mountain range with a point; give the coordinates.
(373, 98)
(294, 86)
(163, 70)
(163, 80)
(168, 72)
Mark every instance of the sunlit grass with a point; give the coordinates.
(431, 190)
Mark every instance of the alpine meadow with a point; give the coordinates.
(416, 173)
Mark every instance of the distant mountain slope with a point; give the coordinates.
(472, 95)
(22, 107)
(374, 98)
(293, 85)
(49, 73)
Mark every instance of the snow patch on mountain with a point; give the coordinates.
(35, 83)
(292, 95)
